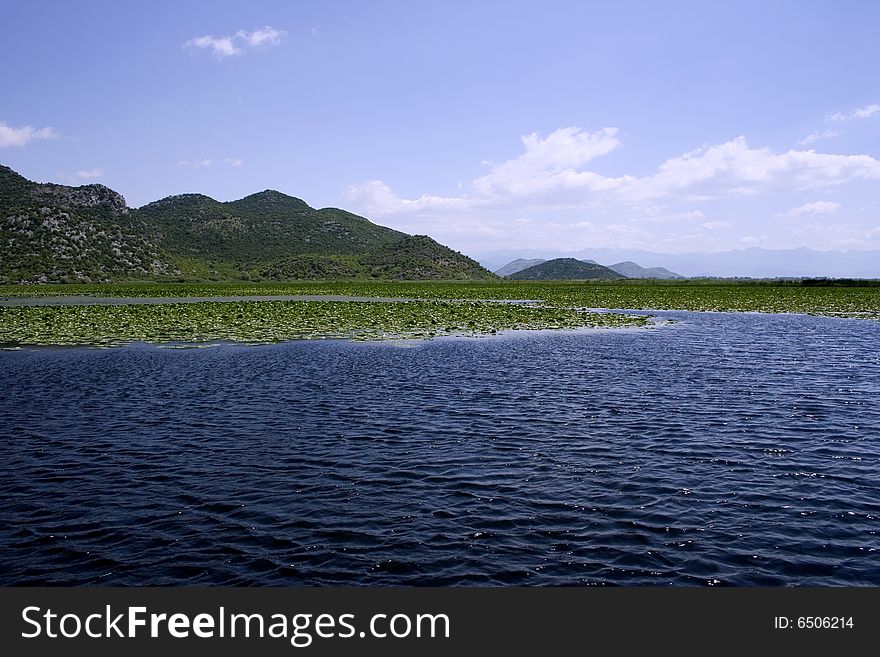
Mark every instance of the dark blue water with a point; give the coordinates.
(726, 449)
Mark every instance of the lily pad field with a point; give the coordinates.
(430, 309)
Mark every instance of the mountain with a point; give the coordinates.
(627, 269)
(632, 270)
(264, 226)
(55, 233)
(518, 265)
(565, 269)
(752, 262)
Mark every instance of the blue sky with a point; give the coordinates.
(673, 126)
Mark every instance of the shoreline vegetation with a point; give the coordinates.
(427, 308)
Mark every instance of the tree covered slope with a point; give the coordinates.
(566, 269)
(55, 233)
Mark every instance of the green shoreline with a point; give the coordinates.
(423, 310)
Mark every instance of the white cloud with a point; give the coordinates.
(207, 162)
(819, 135)
(861, 113)
(547, 175)
(734, 168)
(238, 43)
(88, 174)
(10, 136)
(262, 37)
(866, 111)
(536, 233)
(716, 225)
(375, 197)
(552, 163)
(815, 207)
(197, 164)
(560, 199)
(220, 46)
(547, 167)
(661, 214)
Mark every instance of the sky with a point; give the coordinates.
(667, 126)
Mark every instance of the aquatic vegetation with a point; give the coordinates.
(772, 297)
(275, 321)
(442, 308)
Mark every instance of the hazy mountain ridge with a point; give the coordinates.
(752, 262)
(56, 233)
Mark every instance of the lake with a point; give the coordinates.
(723, 449)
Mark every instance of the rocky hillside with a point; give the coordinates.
(54, 233)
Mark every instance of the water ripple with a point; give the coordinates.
(723, 449)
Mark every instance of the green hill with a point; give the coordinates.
(568, 269)
(518, 265)
(54, 233)
(418, 257)
(409, 257)
(258, 228)
(632, 270)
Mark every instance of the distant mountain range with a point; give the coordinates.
(566, 269)
(752, 262)
(55, 233)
